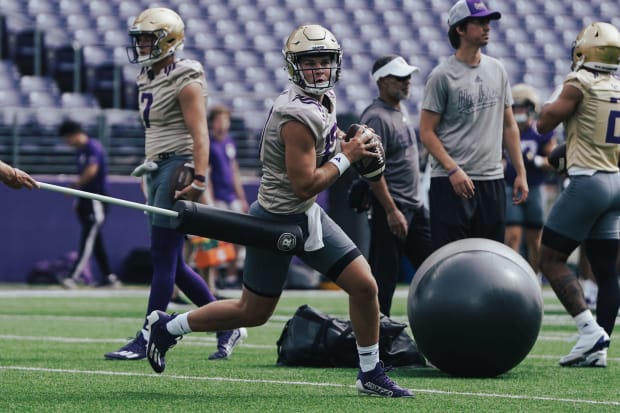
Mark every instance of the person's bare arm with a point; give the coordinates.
(511, 140)
(461, 183)
(307, 180)
(560, 109)
(193, 106)
(396, 220)
(16, 178)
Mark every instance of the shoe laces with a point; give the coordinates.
(382, 379)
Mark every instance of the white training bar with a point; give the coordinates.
(108, 199)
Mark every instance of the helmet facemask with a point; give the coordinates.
(317, 42)
(306, 78)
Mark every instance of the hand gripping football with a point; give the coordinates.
(180, 178)
(370, 167)
(557, 158)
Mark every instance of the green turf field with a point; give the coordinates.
(52, 343)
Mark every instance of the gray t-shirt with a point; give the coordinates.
(401, 150)
(471, 101)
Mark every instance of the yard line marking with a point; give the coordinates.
(304, 383)
(195, 341)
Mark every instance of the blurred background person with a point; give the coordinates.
(92, 171)
(226, 186)
(527, 218)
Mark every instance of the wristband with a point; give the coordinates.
(341, 161)
(200, 178)
(453, 170)
(539, 161)
(198, 187)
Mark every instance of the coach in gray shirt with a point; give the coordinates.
(399, 222)
(466, 118)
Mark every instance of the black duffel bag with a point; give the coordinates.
(314, 339)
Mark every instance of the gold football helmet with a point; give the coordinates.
(307, 40)
(597, 47)
(166, 29)
(525, 95)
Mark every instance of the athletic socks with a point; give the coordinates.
(369, 357)
(585, 323)
(179, 325)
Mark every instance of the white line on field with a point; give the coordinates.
(304, 383)
(193, 341)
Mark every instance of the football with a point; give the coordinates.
(182, 176)
(369, 167)
(557, 158)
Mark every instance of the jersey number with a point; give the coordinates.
(148, 97)
(613, 127)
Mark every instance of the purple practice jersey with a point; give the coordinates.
(531, 143)
(221, 156)
(92, 153)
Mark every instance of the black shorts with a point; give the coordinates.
(454, 218)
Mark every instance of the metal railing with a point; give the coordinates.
(37, 148)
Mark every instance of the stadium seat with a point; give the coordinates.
(88, 36)
(186, 9)
(253, 28)
(106, 24)
(106, 82)
(98, 8)
(216, 10)
(10, 97)
(76, 21)
(610, 9)
(67, 7)
(71, 100)
(66, 68)
(45, 21)
(129, 8)
(116, 37)
(40, 6)
(28, 50)
(97, 55)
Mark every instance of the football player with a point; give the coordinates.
(588, 210)
(302, 153)
(172, 97)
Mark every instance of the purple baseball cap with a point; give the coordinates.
(467, 9)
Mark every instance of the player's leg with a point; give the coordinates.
(514, 222)
(342, 262)
(263, 284)
(90, 223)
(602, 254)
(570, 221)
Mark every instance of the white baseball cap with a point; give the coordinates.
(467, 9)
(393, 65)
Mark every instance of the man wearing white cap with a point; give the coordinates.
(399, 222)
(465, 120)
